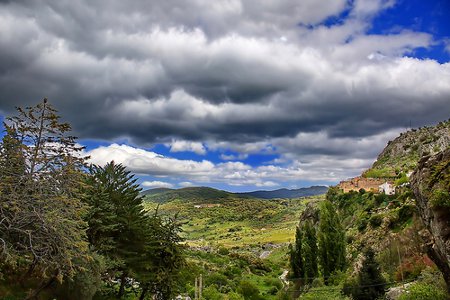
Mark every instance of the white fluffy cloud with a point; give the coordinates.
(180, 146)
(320, 168)
(146, 162)
(157, 184)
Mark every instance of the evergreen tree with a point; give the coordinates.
(296, 256)
(310, 251)
(118, 225)
(145, 247)
(370, 284)
(331, 241)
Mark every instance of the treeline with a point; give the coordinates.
(319, 257)
(70, 230)
(321, 249)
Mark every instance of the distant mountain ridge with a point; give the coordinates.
(207, 194)
(287, 193)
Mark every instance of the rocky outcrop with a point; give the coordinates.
(403, 153)
(431, 185)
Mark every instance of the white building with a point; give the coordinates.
(387, 188)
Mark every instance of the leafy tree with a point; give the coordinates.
(163, 258)
(331, 238)
(370, 284)
(41, 175)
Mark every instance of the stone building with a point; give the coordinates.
(357, 183)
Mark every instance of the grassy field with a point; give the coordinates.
(236, 223)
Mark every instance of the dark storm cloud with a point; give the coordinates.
(221, 71)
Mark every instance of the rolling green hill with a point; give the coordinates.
(189, 194)
(210, 195)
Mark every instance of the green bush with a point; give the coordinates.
(362, 222)
(375, 221)
(211, 293)
(324, 293)
(249, 290)
(440, 198)
(234, 296)
(223, 251)
(424, 291)
(406, 212)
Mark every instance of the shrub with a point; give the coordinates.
(375, 221)
(324, 293)
(440, 198)
(424, 291)
(362, 222)
(223, 251)
(412, 267)
(249, 290)
(370, 284)
(212, 293)
(234, 296)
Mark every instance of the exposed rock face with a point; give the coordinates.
(431, 185)
(403, 153)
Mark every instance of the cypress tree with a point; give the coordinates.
(296, 255)
(331, 241)
(310, 251)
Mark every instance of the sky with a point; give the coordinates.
(234, 94)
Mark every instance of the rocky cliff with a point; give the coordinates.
(431, 186)
(403, 153)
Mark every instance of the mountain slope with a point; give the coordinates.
(189, 194)
(403, 153)
(288, 194)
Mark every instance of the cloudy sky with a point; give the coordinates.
(233, 94)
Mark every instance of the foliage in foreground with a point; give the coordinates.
(71, 234)
(370, 284)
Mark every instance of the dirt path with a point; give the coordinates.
(283, 278)
(264, 254)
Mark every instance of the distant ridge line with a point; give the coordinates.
(282, 193)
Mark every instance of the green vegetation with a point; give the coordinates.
(331, 238)
(403, 154)
(235, 232)
(424, 291)
(69, 234)
(370, 284)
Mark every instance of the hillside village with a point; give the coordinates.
(375, 185)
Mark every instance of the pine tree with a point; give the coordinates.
(145, 247)
(331, 241)
(117, 221)
(310, 251)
